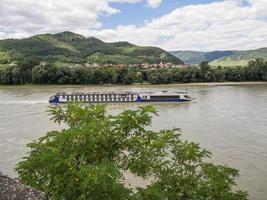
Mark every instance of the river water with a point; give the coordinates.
(230, 121)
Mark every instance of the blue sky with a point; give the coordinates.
(169, 24)
(140, 12)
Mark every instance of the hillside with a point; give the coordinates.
(240, 58)
(195, 57)
(68, 47)
(222, 58)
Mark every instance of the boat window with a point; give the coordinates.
(187, 96)
(164, 97)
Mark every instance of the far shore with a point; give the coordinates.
(202, 84)
(221, 83)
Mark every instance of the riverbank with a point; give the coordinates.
(12, 189)
(201, 84)
(221, 83)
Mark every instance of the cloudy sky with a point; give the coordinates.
(170, 24)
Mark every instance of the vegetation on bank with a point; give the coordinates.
(32, 72)
(91, 156)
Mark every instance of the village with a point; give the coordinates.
(143, 65)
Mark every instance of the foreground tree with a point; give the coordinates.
(89, 159)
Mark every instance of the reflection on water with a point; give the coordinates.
(158, 105)
(230, 121)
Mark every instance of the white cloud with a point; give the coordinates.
(20, 18)
(154, 3)
(31, 16)
(229, 24)
(150, 3)
(125, 1)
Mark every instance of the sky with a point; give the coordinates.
(203, 25)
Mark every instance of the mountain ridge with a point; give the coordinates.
(69, 47)
(222, 58)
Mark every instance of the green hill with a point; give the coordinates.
(195, 57)
(189, 57)
(68, 47)
(222, 58)
(240, 58)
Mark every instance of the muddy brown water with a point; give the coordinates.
(230, 121)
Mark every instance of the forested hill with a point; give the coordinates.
(68, 47)
(222, 58)
(240, 58)
(196, 57)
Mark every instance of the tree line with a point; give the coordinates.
(32, 72)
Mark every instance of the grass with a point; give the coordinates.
(4, 66)
(228, 62)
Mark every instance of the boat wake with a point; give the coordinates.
(22, 102)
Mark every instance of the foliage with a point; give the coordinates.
(30, 71)
(4, 57)
(89, 159)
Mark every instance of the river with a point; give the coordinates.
(230, 121)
